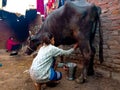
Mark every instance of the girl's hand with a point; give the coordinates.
(76, 46)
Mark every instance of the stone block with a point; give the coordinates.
(105, 73)
(115, 76)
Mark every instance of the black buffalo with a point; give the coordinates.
(74, 23)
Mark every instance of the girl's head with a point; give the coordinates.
(48, 38)
(12, 38)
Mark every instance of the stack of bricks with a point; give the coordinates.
(35, 25)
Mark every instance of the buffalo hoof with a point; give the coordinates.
(80, 80)
(90, 72)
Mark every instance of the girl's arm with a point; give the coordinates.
(58, 51)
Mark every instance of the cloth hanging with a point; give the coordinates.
(4, 2)
(61, 3)
(40, 6)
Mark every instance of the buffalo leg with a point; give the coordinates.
(90, 67)
(86, 52)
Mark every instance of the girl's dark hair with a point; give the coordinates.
(12, 37)
(46, 37)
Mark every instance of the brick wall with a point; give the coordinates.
(35, 25)
(5, 33)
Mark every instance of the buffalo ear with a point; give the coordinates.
(36, 41)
